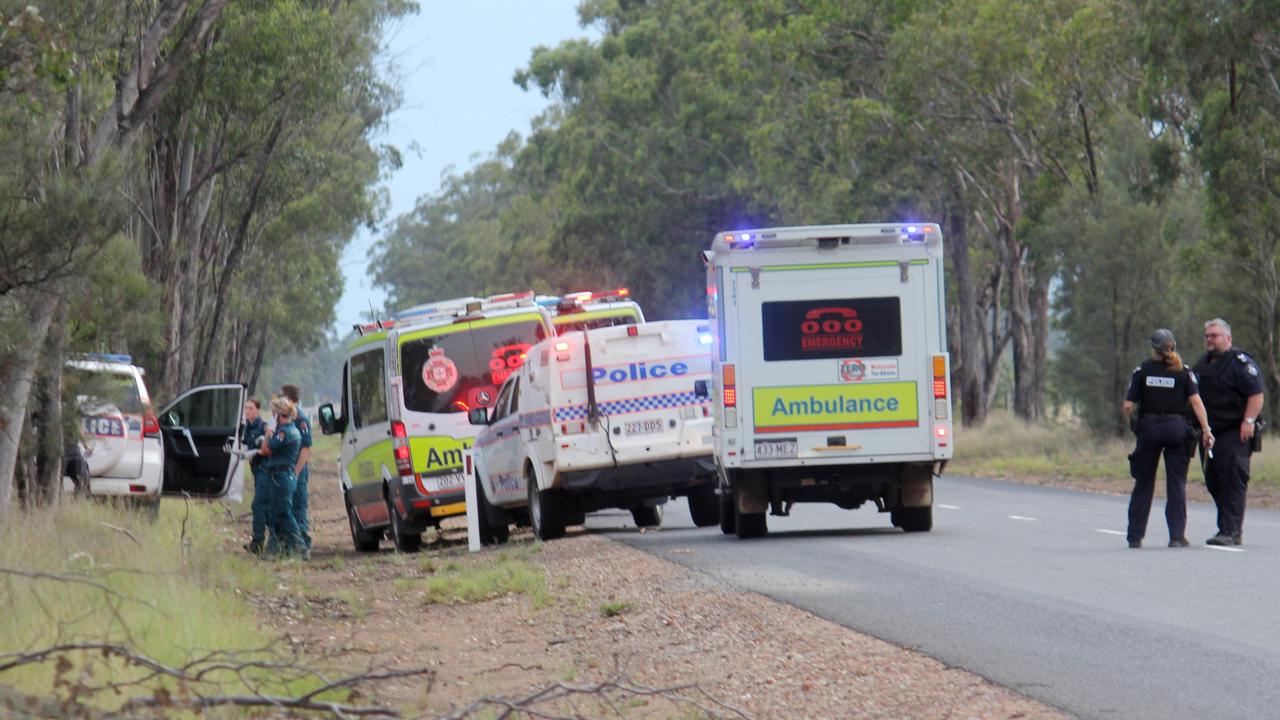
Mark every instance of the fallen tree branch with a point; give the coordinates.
(540, 704)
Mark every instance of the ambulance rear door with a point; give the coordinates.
(838, 367)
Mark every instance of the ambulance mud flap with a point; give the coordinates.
(917, 486)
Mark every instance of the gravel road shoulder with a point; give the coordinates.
(613, 612)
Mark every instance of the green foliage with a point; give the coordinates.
(488, 578)
(613, 609)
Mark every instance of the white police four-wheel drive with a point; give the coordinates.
(610, 417)
(830, 370)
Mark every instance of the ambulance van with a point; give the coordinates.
(407, 386)
(586, 310)
(610, 417)
(829, 370)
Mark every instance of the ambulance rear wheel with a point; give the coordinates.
(546, 511)
(728, 517)
(404, 541)
(916, 519)
(365, 541)
(704, 506)
(492, 530)
(749, 525)
(647, 515)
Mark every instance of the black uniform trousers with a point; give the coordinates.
(1158, 434)
(1227, 477)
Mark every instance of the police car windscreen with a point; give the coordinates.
(463, 369)
(832, 328)
(96, 389)
(562, 328)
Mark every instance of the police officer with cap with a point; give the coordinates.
(1163, 388)
(1232, 390)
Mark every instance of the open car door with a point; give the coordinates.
(198, 459)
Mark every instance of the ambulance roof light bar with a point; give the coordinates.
(825, 235)
(585, 296)
(375, 326)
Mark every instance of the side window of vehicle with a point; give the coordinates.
(368, 389)
(504, 396)
(205, 409)
(345, 406)
(515, 395)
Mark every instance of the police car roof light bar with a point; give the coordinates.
(109, 357)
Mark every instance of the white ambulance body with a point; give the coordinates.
(829, 370)
(607, 418)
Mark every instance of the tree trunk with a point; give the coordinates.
(49, 433)
(16, 382)
(966, 368)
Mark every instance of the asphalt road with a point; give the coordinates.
(1031, 587)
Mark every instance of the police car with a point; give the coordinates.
(407, 385)
(605, 418)
(830, 370)
(126, 450)
(585, 310)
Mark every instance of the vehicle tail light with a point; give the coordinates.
(939, 376)
(150, 425)
(573, 428)
(400, 446)
(730, 385)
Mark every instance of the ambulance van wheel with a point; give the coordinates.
(647, 515)
(404, 541)
(704, 506)
(728, 518)
(546, 511)
(365, 541)
(492, 532)
(916, 519)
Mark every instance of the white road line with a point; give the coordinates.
(1108, 532)
(1225, 549)
(948, 507)
(1021, 517)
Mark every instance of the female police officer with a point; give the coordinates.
(1163, 387)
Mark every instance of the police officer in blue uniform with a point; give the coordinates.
(281, 452)
(1232, 390)
(302, 469)
(1161, 390)
(251, 434)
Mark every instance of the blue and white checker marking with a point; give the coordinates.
(631, 405)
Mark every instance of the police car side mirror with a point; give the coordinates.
(700, 389)
(478, 416)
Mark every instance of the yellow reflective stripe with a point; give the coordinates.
(438, 453)
(828, 266)
(593, 314)
(450, 509)
(368, 339)
(831, 407)
(366, 466)
(460, 327)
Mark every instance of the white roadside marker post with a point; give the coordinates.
(473, 519)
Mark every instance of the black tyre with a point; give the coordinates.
(728, 516)
(403, 540)
(364, 540)
(749, 525)
(546, 511)
(647, 515)
(493, 531)
(913, 519)
(578, 518)
(704, 505)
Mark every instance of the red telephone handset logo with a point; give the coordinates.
(830, 320)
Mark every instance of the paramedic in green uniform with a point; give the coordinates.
(301, 469)
(282, 454)
(251, 434)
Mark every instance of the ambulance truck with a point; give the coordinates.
(829, 370)
(609, 417)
